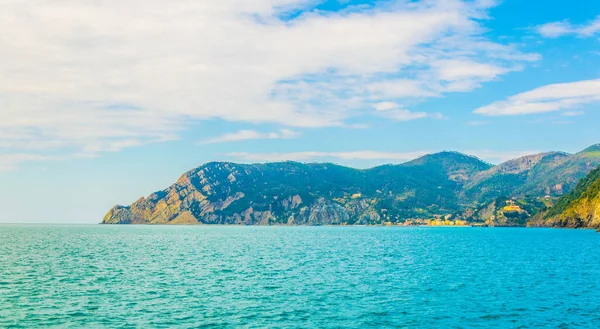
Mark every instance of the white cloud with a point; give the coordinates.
(559, 29)
(394, 111)
(556, 97)
(243, 135)
(460, 70)
(313, 155)
(383, 157)
(276, 157)
(555, 29)
(10, 162)
(90, 77)
(376, 155)
(399, 89)
(572, 113)
(404, 115)
(386, 106)
(438, 116)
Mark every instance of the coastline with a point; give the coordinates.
(329, 225)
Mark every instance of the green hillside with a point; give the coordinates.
(580, 208)
(439, 185)
(547, 174)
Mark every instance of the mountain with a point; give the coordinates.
(580, 208)
(293, 193)
(306, 194)
(455, 166)
(592, 150)
(545, 174)
(228, 193)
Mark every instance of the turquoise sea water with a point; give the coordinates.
(297, 277)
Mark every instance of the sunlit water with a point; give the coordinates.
(297, 277)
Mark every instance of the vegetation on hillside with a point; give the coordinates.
(435, 187)
(580, 208)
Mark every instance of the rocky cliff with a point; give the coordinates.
(578, 209)
(293, 194)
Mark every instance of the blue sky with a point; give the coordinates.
(103, 103)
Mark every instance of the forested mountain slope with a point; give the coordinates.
(294, 193)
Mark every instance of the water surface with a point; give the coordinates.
(289, 277)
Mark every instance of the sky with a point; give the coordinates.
(103, 102)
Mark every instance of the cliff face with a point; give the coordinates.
(291, 193)
(503, 211)
(578, 209)
(226, 193)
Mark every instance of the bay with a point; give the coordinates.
(297, 277)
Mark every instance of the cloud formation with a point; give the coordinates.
(313, 155)
(243, 135)
(384, 157)
(10, 162)
(551, 98)
(394, 111)
(83, 77)
(559, 29)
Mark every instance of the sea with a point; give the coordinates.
(93, 276)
